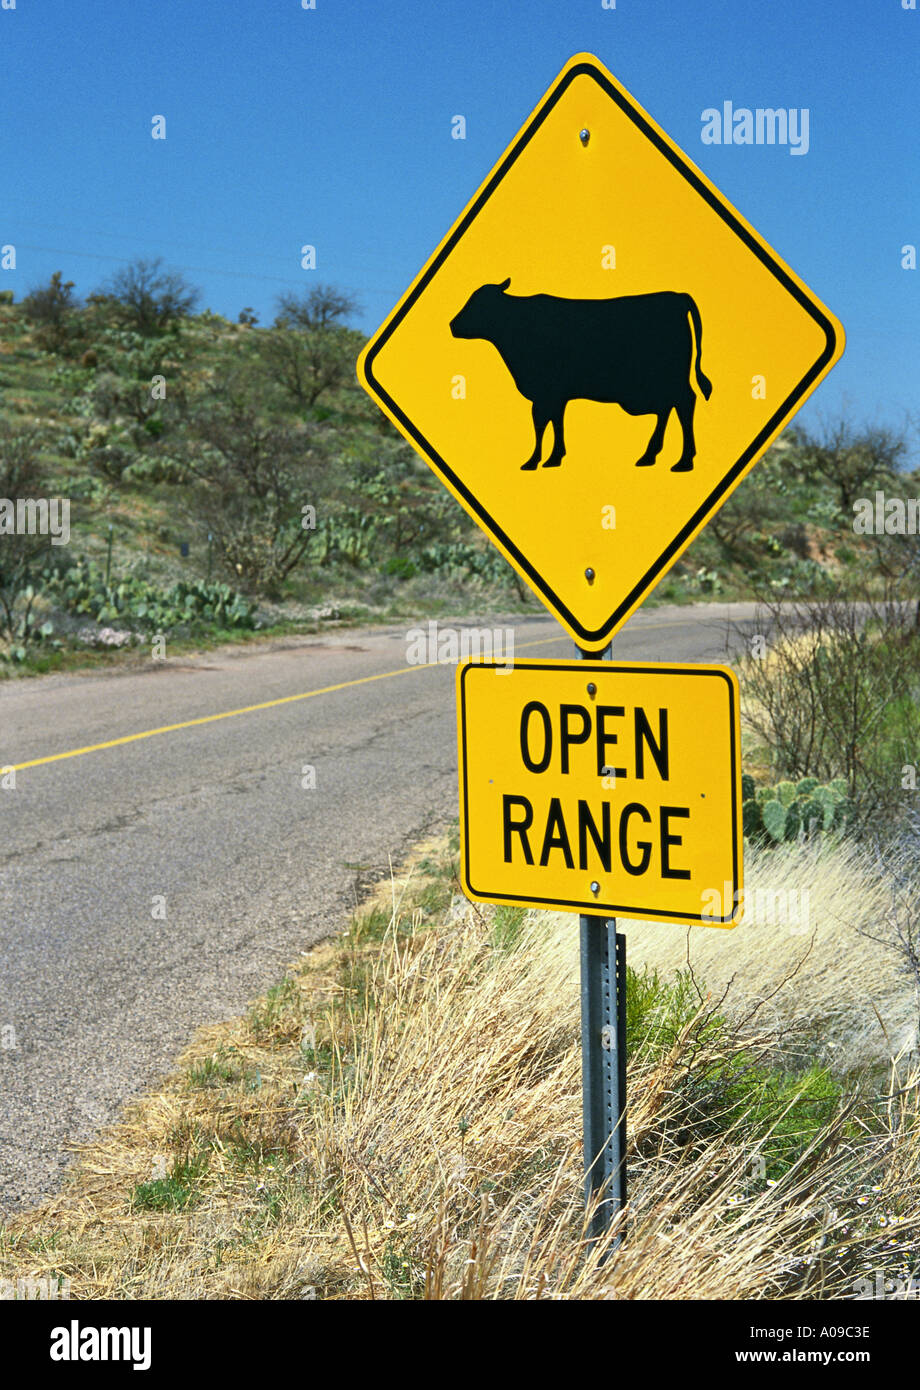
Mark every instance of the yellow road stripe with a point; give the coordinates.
(210, 718)
(266, 704)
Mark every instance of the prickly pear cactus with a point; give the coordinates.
(828, 803)
(774, 819)
(812, 815)
(793, 821)
(752, 818)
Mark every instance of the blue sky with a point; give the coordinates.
(332, 126)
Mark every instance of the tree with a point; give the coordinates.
(151, 296)
(52, 308)
(310, 351)
(254, 478)
(761, 520)
(852, 460)
(322, 306)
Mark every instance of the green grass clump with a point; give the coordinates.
(222, 1068)
(781, 1110)
(507, 926)
(278, 1014)
(178, 1190)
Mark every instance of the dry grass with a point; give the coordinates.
(799, 948)
(402, 1118)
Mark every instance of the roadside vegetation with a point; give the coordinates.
(230, 479)
(400, 1118)
(832, 696)
(831, 745)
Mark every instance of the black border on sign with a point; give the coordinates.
(596, 635)
(594, 908)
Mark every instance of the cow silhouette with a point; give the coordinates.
(635, 351)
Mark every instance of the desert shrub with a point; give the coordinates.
(159, 467)
(309, 365)
(389, 511)
(834, 694)
(725, 1083)
(22, 556)
(52, 308)
(252, 476)
(897, 928)
(465, 560)
(149, 297)
(310, 352)
(851, 460)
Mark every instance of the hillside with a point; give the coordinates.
(228, 478)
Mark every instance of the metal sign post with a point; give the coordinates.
(603, 1064)
(603, 1061)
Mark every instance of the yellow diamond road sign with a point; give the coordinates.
(597, 353)
(602, 787)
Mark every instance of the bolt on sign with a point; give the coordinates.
(597, 352)
(608, 788)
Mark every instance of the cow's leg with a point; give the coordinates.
(558, 450)
(653, 448)
(540, 421)
(685, 410)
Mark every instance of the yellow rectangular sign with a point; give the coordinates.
(610, 788)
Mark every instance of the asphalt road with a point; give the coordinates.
(158, 884)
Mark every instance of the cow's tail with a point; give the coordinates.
(702, 379)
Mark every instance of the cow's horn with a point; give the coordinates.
(505, 283)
